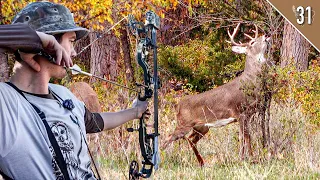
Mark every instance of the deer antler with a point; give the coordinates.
(256, 31)
(235, 31)
(255, 35)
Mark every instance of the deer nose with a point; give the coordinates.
(267, 37)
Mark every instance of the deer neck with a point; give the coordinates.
(252, 67)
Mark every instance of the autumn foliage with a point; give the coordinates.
(94, 13)
(194, 57)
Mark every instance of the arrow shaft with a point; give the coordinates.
(103, 79)
(112, 82)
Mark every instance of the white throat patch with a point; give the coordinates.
(261, 58)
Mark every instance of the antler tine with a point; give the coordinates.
(256, 31)
(233, 34)
(234, 31)
(248, 36)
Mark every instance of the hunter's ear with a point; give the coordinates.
(239, 49)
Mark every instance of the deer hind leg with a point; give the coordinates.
(197, 133)
(244, 137)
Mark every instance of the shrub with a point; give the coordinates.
(303, 87)
(202, 64)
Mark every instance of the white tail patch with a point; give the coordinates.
(221, 122)
(262, 59)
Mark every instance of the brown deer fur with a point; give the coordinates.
(223, 105)
(85, 93)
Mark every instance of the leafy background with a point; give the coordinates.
(194, 57)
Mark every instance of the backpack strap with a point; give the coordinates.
(59, 157)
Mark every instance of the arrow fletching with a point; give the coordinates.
(75, 69)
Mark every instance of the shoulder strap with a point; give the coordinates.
(59, 157)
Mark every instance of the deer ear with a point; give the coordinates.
(239, 49)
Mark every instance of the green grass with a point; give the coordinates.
(272, 169)
(294, 151)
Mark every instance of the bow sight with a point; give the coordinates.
(146, 35)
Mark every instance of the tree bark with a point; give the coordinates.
(105, 54)
(84, 56)
(4, 67)
(112, 48)
(97, 55)
(126, 55)
(295, 48)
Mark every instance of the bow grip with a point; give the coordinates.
(147, 94)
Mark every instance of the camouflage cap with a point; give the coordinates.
(49, 18)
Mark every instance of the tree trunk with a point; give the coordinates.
(112, 48)
(84, 56)
(97, 55)
(126, 55)
(4, 67)
(295, 48)
(104, 56)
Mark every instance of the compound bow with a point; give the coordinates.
(146, 35)
(147, 41)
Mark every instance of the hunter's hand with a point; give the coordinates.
(28, 58)
(52, 46)
(141, 108)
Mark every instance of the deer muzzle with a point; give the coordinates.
(266, 37)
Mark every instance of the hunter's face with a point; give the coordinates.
(67, 41)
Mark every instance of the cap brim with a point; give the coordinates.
(80, 32)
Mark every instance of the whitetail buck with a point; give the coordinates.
(225, 104)
(86, 94)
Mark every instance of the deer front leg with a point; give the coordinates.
(244, 138)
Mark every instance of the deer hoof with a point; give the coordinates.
(202, 164)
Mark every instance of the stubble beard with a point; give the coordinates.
(61, 72)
